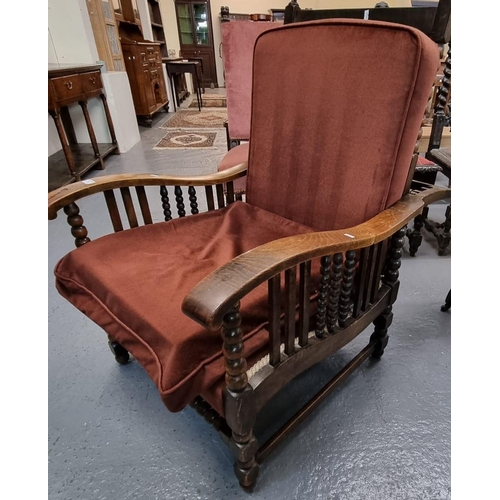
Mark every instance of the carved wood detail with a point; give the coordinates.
(165, 203)
(179, 199)
(335, 285)
(347, 282)
(324, 286)
(193, 202)
(75, 220)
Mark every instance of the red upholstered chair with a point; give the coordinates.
(440, 155)
(223, 307)
(238, 40)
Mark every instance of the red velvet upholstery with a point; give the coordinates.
(132, 284)
(238, 39)
(334, 123)
(339, 133)
(233, 157)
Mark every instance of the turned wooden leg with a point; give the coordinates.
(390, 278)
(441, 231)
(415, 235)
(90, 129)
(64, 143)
(447, 302)
(209, 414)
(444, 238)
(239, 401)
(119, 352)
(246, 467)
(108, 119)
(382, 324)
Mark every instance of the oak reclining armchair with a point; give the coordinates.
(224, 307)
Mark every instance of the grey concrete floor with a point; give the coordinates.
(383, 434)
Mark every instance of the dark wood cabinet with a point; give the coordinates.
(157, 26)
(142, 62)
(194, 23)
(144, 69)
(127, 10)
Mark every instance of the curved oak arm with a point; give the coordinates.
(212, 297)
(62, 196)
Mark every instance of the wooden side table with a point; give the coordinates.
(200, 60)
(68, 84)
(181, 67)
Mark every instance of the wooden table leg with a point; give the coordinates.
(201, 80)
(174, 92)
(110, 122)
(90, 129)
(64, 143)
(68, 125)
(198, 90)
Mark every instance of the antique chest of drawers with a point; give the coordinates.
(144, 69)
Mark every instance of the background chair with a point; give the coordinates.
(279, 283)
(238, 40)
(441, 156)
(237, 43)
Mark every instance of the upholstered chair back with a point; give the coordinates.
(331, 144)
(238, 40)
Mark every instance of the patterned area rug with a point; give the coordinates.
(187, 140)
(186, 119)
(210, 101)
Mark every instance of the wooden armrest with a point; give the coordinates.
(218, 292)
(61, 197)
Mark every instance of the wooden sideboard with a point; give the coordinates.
(145, 73)
(70, 84)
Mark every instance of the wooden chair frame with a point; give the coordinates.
(442, 231)
(359, 269)
(434, 21)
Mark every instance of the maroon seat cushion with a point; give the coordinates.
(233, 157)
(132, 284)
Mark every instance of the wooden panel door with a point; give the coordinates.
(196, 37)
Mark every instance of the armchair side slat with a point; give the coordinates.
(143, 203)
(212, 297)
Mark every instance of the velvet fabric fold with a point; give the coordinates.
(132, 284)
